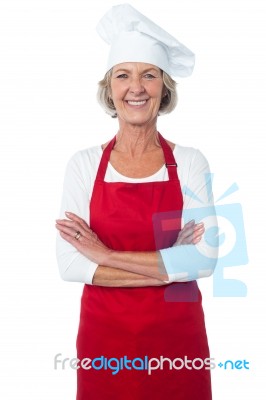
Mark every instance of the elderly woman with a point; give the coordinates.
(142, 332)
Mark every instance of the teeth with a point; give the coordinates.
(137, 103)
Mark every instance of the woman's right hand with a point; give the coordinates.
(191, 233)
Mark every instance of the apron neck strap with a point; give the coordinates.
(170, 162)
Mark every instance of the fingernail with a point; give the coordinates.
(67, 213)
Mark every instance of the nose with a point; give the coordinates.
(136, 86)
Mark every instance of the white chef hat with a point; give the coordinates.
(135, 38)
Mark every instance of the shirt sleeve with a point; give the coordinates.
(189, 262)
(73, 266)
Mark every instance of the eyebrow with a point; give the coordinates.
(143, 72)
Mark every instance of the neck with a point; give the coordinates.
(136, 140)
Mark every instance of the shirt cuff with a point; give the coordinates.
(91, 271)
(176, 263)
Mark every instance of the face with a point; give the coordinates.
(136, 91)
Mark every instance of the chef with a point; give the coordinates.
(125, 229)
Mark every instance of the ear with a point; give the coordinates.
(164, 92)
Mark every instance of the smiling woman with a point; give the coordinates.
(124, 236)
(168, 101)
(136, 90)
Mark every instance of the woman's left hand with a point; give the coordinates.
(191, 233)
(78, 233)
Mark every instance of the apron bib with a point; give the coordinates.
(140, 323)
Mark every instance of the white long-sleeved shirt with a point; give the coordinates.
(182, 263)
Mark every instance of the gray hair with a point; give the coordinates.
(168, 102)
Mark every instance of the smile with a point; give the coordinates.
(137, 103)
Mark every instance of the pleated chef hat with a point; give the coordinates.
(135, 38)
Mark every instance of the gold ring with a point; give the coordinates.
(78, 234)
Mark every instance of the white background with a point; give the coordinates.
(51, 61)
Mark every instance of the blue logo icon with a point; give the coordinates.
(224, 241)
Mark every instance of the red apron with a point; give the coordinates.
(140, 323)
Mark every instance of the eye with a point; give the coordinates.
(122, 76)
(149, 76)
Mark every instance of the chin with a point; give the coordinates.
(139, 119)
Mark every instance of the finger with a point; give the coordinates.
(199, 230)
(197, 236)
(190, 235)
(189, 224)
(189, 232)
(67, 222)
(72, 225)
(63, 221)
(199, 226)
(70, 239)
(188, 228)
(186, 232)
(197, 240)
(182, 239)
(70, 230)
(194, 232)
(76, 224)
(75, 217)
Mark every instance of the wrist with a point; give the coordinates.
(107, 258)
